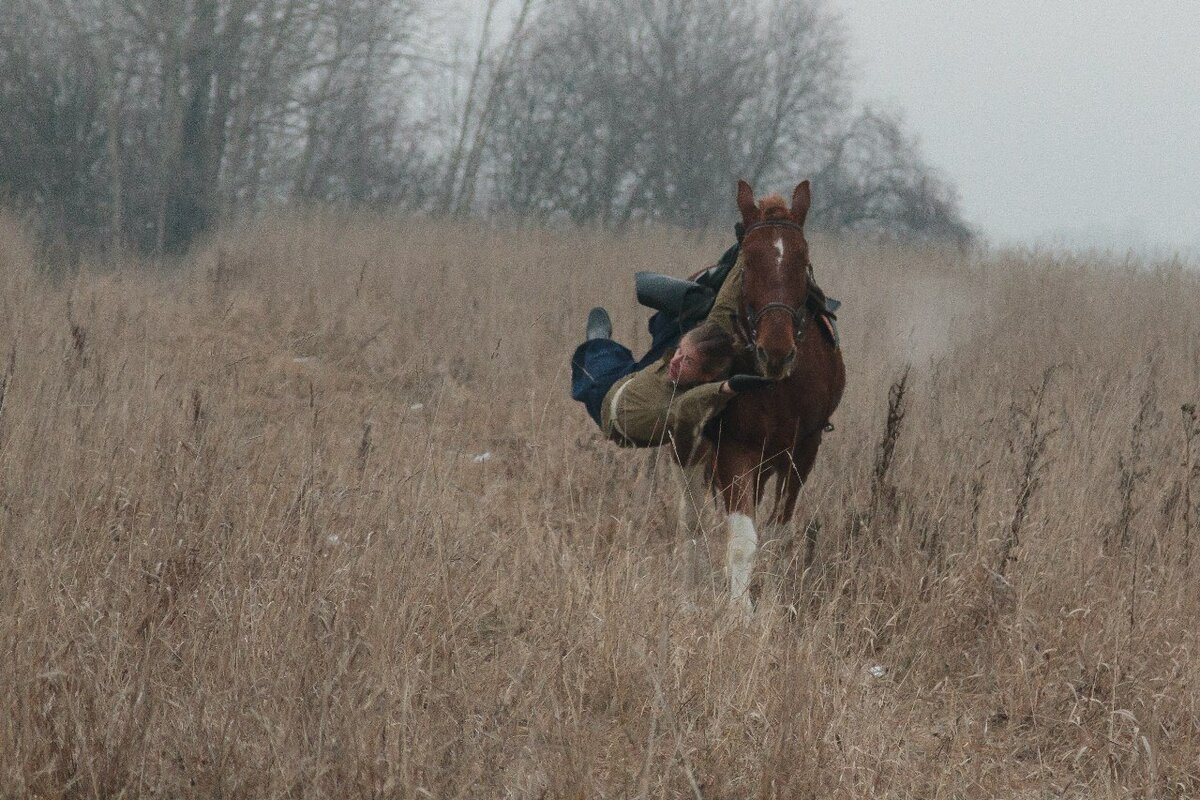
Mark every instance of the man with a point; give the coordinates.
(666, 396)
(644, 403)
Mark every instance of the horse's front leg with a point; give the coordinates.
(737, 477)
(792, 478)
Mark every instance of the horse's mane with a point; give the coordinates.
(773, 206)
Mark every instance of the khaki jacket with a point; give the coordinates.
(647, 409)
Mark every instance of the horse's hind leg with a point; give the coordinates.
(786, 489)
(693, 493)
(786, 492)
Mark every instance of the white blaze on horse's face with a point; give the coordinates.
(779, 268)
(778, 365)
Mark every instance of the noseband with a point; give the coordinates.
(749, 322)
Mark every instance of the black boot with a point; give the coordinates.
(681, 300)
(599, 326)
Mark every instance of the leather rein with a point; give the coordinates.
(748, 320)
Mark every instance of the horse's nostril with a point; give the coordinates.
(762, 353)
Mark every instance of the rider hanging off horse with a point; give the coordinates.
(743, 371)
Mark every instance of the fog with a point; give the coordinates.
(1075, 124)
(126, 125)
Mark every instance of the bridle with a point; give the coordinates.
(748, 321)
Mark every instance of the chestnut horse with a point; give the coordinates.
(773, 431)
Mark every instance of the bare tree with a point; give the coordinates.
(351, 113)
(874, 180)
(801, 91)
(187, 110)
(627, 109)
(620, 110)
(493, 66)
(147, 122)
(52, 138)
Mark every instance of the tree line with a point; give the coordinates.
(146, 123)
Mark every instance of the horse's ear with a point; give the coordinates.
(801, 200)
(745, 201)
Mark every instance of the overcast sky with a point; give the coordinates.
(1064, 122)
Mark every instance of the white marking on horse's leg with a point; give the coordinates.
(743, 542)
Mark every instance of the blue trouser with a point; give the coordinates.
(599, 363)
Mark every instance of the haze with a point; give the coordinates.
(1071, 123)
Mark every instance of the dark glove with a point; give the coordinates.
(744, 383)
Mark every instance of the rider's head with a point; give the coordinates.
(705, 354)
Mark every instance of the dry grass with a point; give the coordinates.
(248, 549)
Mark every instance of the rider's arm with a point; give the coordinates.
(689, 415)
(691, 410)
(634, 410)
(725, 307)
(647, 408)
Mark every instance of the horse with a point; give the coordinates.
(774, 431)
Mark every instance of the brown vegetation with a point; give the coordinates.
(250, 545)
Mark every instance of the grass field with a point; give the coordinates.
(311, 515)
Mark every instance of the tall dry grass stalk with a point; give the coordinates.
(313, 516)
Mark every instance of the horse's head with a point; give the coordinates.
(775, 277)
